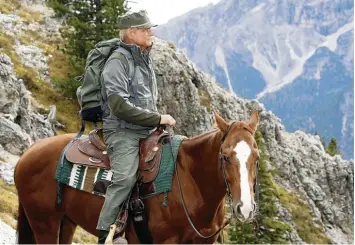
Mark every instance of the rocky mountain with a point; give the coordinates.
(308, 192)
(294, 56)
(20, 123)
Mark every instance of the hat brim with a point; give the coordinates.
(145, 26)
(150, 25)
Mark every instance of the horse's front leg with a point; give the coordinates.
(132, 238)
(171, 240)
(130, 233)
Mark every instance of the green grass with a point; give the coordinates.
(30, 37)
(9, 220)
(307, 229)
(6, 42)
(8, 200)
(8, 204)
(29, 16)
(9, 6)
(83, 237)
(15, 6)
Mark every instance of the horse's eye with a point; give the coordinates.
(226, 159)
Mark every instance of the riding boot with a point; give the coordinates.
(102, 234)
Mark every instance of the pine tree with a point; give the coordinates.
(87, 23)
(332, 148)
(60, 7)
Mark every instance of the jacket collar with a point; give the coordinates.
(136, 51)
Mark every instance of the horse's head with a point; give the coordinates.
(239, 157)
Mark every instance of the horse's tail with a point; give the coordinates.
(24, 231)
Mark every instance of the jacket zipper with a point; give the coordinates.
(150, 81)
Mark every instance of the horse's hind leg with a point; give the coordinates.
(45, 227)
(67, 230)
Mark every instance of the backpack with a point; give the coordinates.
(89, 94)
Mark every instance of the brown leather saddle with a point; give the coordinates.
(92, 152)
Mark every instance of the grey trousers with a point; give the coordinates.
(123, 151)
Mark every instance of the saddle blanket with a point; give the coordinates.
(85, 177)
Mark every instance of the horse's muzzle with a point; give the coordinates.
(244, 213)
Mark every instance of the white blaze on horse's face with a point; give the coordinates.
(243, 151)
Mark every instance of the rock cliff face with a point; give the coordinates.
(322, 183)
(20, 123)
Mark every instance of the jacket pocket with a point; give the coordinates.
(141, 88)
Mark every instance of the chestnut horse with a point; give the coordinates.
(209, 166)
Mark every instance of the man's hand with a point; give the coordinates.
(167, 120)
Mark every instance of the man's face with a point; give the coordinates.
(142, 37)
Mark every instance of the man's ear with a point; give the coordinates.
(130, 33)
(219, 122)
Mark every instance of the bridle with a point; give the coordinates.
(223, 159)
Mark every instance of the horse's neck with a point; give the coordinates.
(205, 167)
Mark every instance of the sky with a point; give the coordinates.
(160, 11)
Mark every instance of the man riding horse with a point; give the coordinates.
(213, 166)
(130, 113)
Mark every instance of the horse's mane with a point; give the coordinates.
(192, 142)
(195, 140)
(203, 134)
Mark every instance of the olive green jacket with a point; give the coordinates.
(130, 96)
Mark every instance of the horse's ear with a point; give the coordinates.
(219, 122)
(254, 121)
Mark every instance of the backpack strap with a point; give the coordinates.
(118, 53)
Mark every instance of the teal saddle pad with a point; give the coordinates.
(85, 177)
